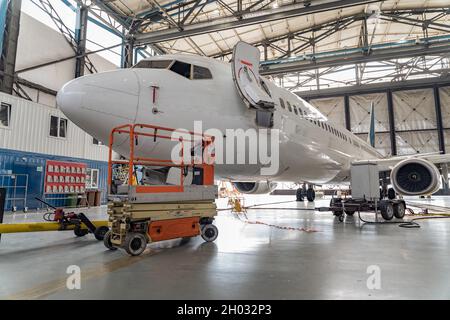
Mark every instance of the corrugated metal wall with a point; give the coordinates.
(26, 144)
(30, 127)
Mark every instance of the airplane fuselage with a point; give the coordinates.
(311, 148)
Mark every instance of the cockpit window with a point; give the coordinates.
(153, 64)
(202, 73)
(183, 69)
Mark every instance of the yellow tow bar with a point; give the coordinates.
(43, 226)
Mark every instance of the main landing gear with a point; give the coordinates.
(309, 193)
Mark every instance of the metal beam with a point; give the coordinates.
(376, 88)
(392, 135)
(354, 56)
(348, 124)
(47, 7)
(247, 19)
(128, 53)
(80, 39)
(9, 49)
(440, 130)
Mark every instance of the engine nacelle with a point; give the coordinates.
(255, 187)
(412, 177)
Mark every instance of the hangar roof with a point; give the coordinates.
(383, 24)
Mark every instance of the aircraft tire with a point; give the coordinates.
(299, 195)
(310, 195)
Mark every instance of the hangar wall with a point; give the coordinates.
(32, 51)
(415, 118)
(26, 143)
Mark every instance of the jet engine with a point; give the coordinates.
(413, 177)
(255, 187)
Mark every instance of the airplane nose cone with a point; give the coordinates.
(97, 103)
(70, 98)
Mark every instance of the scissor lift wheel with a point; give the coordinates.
(107, 241)
(209, 232)
(135, 243)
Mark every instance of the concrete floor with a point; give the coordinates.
(246, 262)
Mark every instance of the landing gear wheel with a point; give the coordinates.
(336, 202)
(107, 241)
(391, 194)
(310, 195)
(387, 210)
(135, 243)
(209, 232)
(299, 194)
(399, 210)
(80, 232)
(100, 233)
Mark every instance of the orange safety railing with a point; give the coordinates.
(134, 131)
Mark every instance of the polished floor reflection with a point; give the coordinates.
(248, 261)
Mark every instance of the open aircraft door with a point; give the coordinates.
(245, 68)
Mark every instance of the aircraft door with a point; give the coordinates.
(245, 69)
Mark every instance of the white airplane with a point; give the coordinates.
(176, 90)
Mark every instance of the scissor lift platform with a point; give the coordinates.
(141, 214)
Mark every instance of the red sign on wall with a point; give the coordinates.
(65, 177)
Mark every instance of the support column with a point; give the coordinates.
(444, 174)
(81, 38)
(348, 124)
(128, 53)
(9, 34)
(437, 105)
(391, 123)
(265, 51)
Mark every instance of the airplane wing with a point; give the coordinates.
(387, 164)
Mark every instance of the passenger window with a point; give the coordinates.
(289, 106)
(282, 104)
(183, 69)
(153, 64)
(301, 111)
(202, 73)
(295, 109)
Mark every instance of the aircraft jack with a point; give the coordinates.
(142, 214)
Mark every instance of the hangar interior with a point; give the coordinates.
(342, 56)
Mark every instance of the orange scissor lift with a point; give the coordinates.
(141, 213)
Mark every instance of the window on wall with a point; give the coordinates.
(96, 142)
(5, 114)
(58, 127)
(92, 178)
